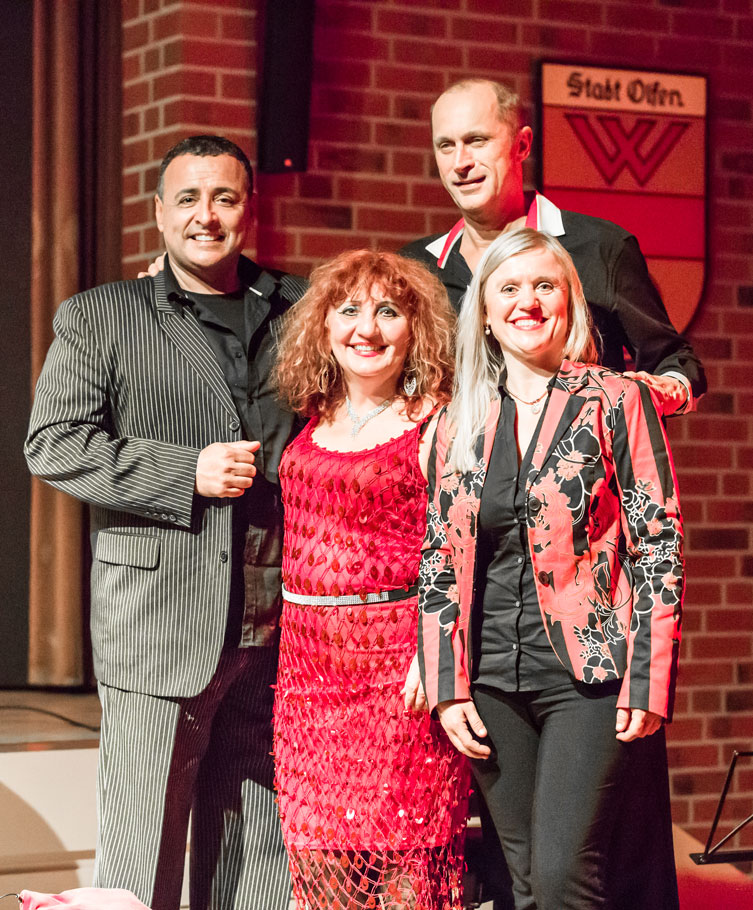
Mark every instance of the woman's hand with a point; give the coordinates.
(413, 692)
(464, 727)
(154, 268)
(633, 723)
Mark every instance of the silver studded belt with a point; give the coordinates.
(350, 600)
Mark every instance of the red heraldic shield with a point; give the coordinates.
(630, 146)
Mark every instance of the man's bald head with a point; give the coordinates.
(508, 101)
(479, 148)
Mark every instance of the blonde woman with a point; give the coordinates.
(551, 576)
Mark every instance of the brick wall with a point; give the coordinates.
(190, 66)
(187, 68)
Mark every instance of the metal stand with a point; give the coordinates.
(714, 854)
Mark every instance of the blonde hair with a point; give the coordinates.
(308, 376)
(479, 359)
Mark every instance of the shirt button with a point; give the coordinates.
(223, 556)
(517, 603)
(519, 560)
(544, 578)
(515, 647)
(173, 517)
(534, 505)
(235, 425)
(239, 354)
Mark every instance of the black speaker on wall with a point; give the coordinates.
(283, 113)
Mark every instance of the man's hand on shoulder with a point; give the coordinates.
(226, 469)
(670, 393)
(154, 267)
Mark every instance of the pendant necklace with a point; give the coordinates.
(536, 405)
(360, 422)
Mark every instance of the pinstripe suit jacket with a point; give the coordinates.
(129, 395)
(604, 534)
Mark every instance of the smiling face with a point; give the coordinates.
(204, 216)
(526, 301)
(479, 156)
(370, 336)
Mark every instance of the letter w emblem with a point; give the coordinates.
(613, 148)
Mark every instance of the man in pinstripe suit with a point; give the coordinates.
(155, 407)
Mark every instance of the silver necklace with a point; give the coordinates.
(536, 405)
(360, 422)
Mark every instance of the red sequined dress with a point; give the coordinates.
(372, 800)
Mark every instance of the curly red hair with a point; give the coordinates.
(307, 374)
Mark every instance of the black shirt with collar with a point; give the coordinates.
(244, 343)
(513, 652)
(626, 307)
(455, 275)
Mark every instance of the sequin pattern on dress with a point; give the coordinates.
(372, 800)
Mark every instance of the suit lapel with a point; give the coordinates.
(564, 405)
(182, 328)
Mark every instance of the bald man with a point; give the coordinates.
(480, 144)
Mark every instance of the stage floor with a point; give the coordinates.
(47, 804)
(24, 722)
(48, 763)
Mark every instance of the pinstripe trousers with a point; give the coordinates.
(162, 758)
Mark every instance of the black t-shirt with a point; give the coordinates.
(240, 329)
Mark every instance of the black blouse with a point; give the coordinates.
(510, 643)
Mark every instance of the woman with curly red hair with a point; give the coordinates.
(371, 793)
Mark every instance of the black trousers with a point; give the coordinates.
(641, 871)
(555, 787)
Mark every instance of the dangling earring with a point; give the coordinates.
(409, 385)
(487, 329)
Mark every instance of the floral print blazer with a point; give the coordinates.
(605, 538)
